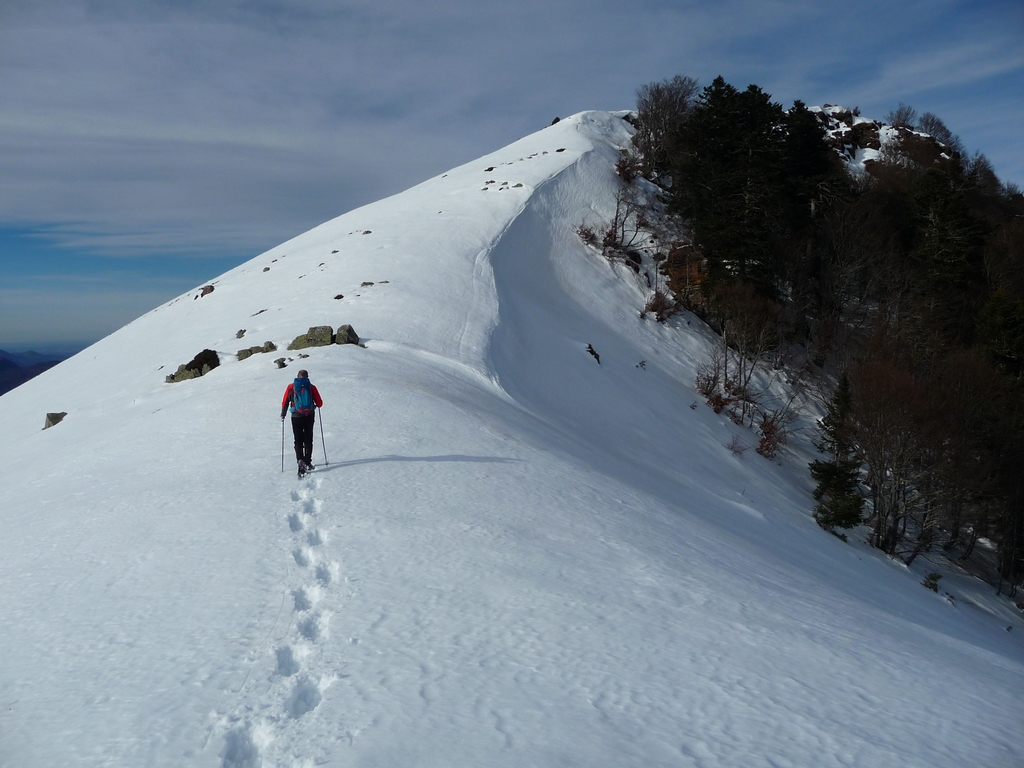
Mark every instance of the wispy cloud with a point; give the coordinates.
(136, 127)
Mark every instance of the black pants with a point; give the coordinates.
(302, 427)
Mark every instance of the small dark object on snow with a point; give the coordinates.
(206, 290)
(280, 363)
(555, 120)
(52, 419)
(592, 351)
(340, 296)
(240, 333)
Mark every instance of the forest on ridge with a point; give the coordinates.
(898, 274)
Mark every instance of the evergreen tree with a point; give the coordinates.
(727, 173)
(839, 500)
(947, 254)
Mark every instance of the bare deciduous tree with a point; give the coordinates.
(661, 109)
(902, 117)
(932, 125)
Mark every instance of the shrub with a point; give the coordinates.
(932, 581)
(660, 305)
(627, 167)
(736, 446)
(586, 233)
(772, 436)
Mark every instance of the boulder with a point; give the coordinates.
(268, 346)
(200, 365)
(316, 336)
(346, 335)
(53, 419)
(865, 136)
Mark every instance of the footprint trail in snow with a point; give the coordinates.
(274, 720)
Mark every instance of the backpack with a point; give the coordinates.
(302, 397)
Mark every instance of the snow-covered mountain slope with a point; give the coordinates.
(516, 556)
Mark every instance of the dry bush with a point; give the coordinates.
(709, 374)
(774, 427)
(660, 305)
(586, 233)
(627, 167)
(736, 446)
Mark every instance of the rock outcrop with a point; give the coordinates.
(316, 336)
(268, 346)
(52, 419)
(200, 365)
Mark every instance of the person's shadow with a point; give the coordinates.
(449, 457)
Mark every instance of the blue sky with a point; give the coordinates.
(146, 147)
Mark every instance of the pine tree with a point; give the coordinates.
(839, 500)
(727, 173)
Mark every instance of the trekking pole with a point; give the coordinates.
(322, 441)
(282, 445)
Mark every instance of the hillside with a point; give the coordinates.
(16, 369)
(514, 554)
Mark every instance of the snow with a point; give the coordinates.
(516, 555)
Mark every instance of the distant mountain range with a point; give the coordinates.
(17, 368)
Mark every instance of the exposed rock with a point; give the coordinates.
(268, 346)
(340, 296)
(843, 116)
(280, 363)
(53, 419)
(240, 333)
(206, 290)
(200, 365)
(346, 335)
(865, 136)
(316, 336)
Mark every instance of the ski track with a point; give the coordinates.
(295, 667)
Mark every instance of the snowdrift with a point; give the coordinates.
(512, 554)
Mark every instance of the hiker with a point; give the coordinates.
(303, 399)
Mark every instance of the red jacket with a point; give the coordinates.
(287, 399)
